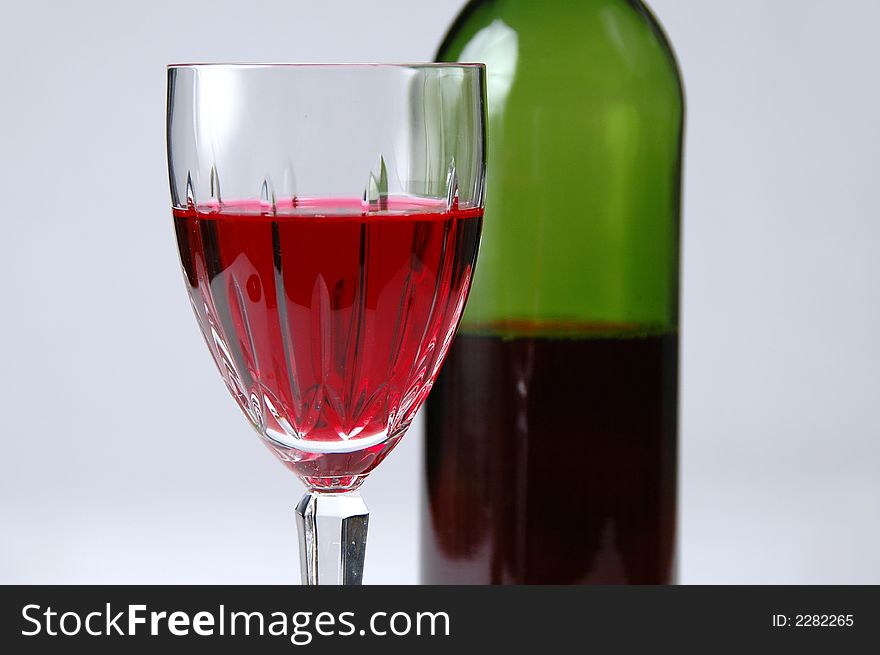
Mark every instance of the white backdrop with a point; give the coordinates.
(124, 461)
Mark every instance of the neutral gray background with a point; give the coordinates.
(124, 461)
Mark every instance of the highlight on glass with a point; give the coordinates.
(328, 219)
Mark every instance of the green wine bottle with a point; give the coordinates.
(552, 429)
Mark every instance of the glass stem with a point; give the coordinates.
(332, 538)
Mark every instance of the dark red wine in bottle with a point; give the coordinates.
(552, 428)
(552, 460)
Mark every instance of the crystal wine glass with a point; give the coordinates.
(328, 219)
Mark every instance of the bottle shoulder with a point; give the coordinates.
(610, 43)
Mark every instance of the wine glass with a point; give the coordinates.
(328, 219)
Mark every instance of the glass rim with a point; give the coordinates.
(353, 65)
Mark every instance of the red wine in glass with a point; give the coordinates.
(329, 328)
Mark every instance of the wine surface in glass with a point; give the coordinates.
(328, 326)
